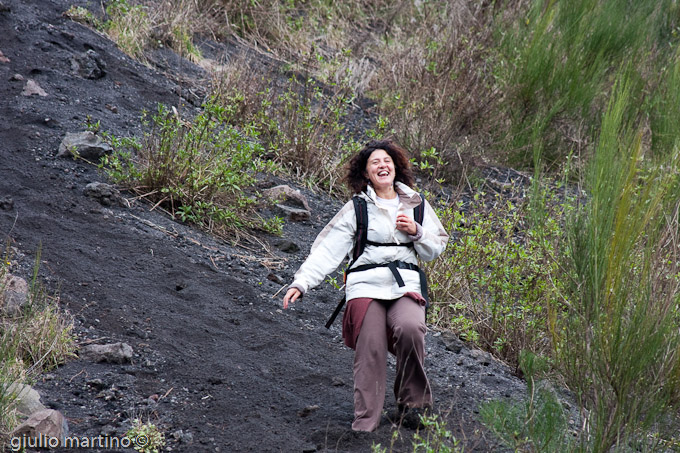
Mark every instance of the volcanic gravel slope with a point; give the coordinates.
(218, 366)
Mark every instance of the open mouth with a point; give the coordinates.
(383, 173)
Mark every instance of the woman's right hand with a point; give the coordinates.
(291, 296)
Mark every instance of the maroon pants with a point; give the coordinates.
(406, 319)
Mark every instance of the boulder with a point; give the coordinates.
(451, 342)
(106, 194)
(14, 294)
(27, 399)
(32, 88)
(110, 353)
(85, 144)
(294, 214)
(88, 65)
(285, 193)
(44, 424)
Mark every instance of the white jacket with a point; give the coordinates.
(336, 242)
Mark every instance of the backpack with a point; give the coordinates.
(361, 238)
(361, 241)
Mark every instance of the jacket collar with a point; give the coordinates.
(408, 197)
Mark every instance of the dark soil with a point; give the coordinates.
(218, 366)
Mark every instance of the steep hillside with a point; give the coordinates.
(217, 365)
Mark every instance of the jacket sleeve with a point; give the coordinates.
(330, 248)
(434, 238)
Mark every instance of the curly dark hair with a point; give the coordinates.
(356, 179)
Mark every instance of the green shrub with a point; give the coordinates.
(494, 284)
(300, 122)
(82, 15)
(435, 437)
(199, 170)
(308, 135)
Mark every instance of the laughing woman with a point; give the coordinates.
(386, 304)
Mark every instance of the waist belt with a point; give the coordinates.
(394, 267)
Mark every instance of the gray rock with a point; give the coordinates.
(27, 399)
(288, 246)
(482, 357)
(85, 144)
(14, 294)
(275, 278)
(451, 342)
(110, 353)
(294, 214)
(6, 203)
(305, 411)
(289, 195)
(46, 423)
(32, 88)
(106, 194)
(97, 384)
(183, 437)
(88, 65)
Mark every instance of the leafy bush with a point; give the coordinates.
(494, 283)
(199, 170)
(82, 15)
(435, 437)
(299, 122)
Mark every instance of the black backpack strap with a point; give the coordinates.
(336, 312)
(361, 212)
(419, 211)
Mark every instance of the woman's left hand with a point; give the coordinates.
(406, 224)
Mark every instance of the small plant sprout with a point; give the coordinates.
(146, 437)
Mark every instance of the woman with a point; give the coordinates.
(384, 312)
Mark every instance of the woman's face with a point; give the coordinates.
(380, 169)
